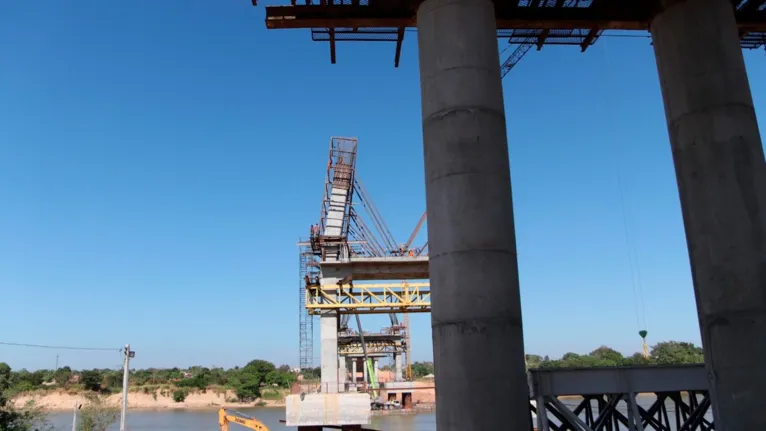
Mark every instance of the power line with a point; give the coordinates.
(41, 346)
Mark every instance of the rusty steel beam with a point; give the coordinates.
(630, 15)
(290, 17)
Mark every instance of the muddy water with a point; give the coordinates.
(208, 421)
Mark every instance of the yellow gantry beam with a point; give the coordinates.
(373, 347)
(370, 298)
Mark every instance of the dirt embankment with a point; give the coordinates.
(159, 400)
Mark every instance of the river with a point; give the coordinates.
(194, 420)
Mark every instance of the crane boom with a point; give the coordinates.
(406, 247)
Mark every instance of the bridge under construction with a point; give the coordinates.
(720, 170)
(342, 263)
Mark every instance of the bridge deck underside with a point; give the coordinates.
(545, 21)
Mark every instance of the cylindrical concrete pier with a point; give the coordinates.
(476, 310)
(721, 177)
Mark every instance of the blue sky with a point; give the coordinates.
(158, 161)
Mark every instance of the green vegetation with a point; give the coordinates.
(664, 353)
(247, 382)
(422, 369)
(179, 395)
(96, 416)
(12, 419)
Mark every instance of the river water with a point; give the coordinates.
(186, 420)
(194, 420)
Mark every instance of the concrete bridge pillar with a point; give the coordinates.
(721, 177)
(476, 308)
(328, 334)
(398, 367)
(353, 370)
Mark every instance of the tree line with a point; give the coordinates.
(663, 353)
(249, 381)
(246, 381)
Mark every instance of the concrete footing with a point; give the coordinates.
(476, 309)
(721, 176)
(317, 410)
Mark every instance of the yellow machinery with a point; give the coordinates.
(225, 417)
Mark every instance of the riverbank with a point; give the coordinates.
(209, 399)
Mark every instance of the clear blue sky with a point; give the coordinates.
(158, 161)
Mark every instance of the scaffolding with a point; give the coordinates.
(308, 270)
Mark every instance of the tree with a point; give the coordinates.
(676, 352)
(312, 373)
(12, 419)
(533, 361)
(280, 378)
(96, 415)
(5, 376)
(420, 369)
(259, 367)
(91, 380)
(607, 354)
(247, 386)
(62, 375)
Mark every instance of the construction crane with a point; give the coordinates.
(225, 417)
(402, 251)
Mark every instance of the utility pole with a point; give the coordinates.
(128, 354)
(57, 362)
(74, 415)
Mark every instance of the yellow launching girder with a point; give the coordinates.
(373, 347)
(370, 298)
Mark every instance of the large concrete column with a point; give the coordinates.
(353, 370)
(476, 309)
(328, 334)
(721, 177)
(377, 374)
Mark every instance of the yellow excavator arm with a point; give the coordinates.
(225, 417)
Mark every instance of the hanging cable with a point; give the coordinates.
(41, 346)
(633, 262)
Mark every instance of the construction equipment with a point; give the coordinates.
(225, 417)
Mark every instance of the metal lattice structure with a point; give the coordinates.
(522, 22)
(649, 398)
(370, 298)
(307, 269)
